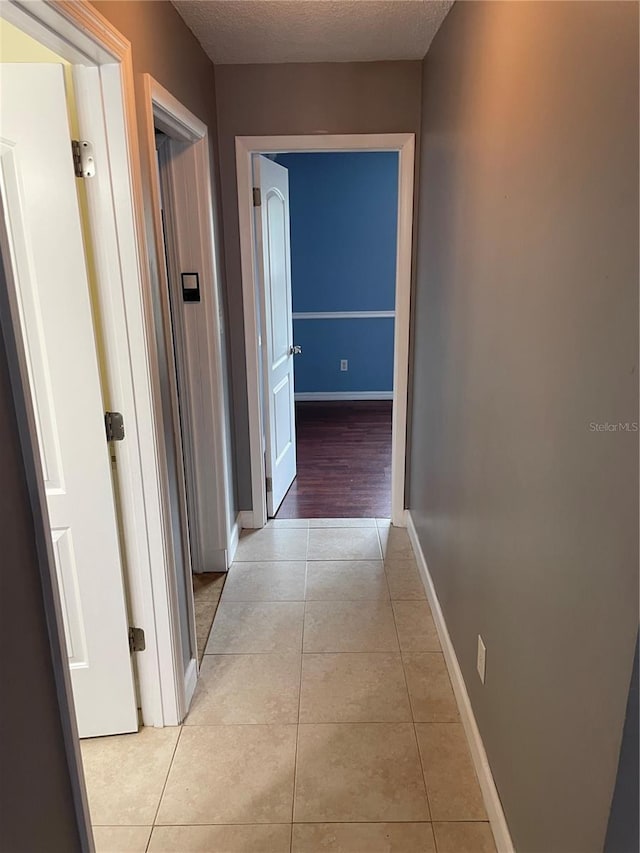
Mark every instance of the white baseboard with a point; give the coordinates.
(233, 541)
(190, 681)
(245, 520)
(310, 396)
(490, 794)
(216, 562)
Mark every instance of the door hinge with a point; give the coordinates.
(257, 197)
(114, 426)
(83, 163)
(136, 640)
(269, 484)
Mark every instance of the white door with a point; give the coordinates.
(274, 266)
(40, 205)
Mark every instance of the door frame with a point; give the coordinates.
(208, 508)
(195, 229)
(246, 148)
(104, 88)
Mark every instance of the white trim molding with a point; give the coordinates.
(200, 451)
(233, 540)
(310, 396)
(198, 328)
(246, 148)
(342, 315)
(490, 794)
(190, 680)
(246, 520)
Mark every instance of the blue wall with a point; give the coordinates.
(343, 258)
(368, 344)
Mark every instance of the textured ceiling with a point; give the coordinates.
(241, 31)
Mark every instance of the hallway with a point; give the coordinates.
(324, 719)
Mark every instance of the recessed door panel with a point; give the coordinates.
(69, 587)
(31, 323)
(282, 394)
(278, 269)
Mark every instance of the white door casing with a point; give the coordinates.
(274, 269)
(247, 147)
(47, 257)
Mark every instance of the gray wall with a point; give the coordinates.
(526, 332)
(254, 100)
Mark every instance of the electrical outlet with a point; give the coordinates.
(482, 658)
(344, 364)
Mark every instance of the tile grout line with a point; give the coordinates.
(325, 653)
(413, 727)
(415, 735)
(314, 723)
(164, 786)
(424, 777)
(380, 545)
(295, 760)
(283, 823)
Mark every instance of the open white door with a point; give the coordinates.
(274, 266)
(40, 204)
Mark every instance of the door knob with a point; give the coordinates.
(295, 350)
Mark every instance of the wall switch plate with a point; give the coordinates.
(482, 658)
(344, 364)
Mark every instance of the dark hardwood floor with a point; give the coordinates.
(344, 461)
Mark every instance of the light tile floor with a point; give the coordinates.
(324, 718)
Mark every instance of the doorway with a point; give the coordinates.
(187, 305)
(118, 318)
(272, 431)
(343, 221)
